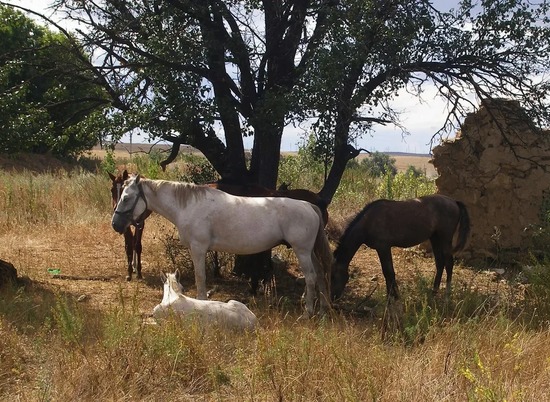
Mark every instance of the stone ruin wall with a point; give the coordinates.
(502, 186)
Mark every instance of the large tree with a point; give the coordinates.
(48, 102)
(375, 50)
(209, 72)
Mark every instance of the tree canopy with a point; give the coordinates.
(47, 100)
(379, 164)
(208, 73)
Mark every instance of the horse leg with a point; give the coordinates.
(199, 260)
(129, 248)
(308, 270)
(384, 254)
(439, 257)
(443, 259)
(449, 262)
(137, 249)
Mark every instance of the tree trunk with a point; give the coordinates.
(342, 156)
(255, 267)
(266, 154)
(264, 167)
(343, 152)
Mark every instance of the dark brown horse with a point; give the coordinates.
(132, 240)
(384, 224)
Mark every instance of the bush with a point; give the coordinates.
(406, 185)
(301, 171)
(379, 164)
(198, 170)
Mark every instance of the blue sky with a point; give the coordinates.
(422, 119)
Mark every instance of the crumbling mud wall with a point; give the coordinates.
(499, 166)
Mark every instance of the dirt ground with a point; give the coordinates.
(88, 263)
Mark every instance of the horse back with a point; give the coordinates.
(260, 222)
(259, 191)
(389, 223)
(242, 190)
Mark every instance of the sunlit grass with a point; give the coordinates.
(114, 355)
(475, 344)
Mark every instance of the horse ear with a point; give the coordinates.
(177, 273)
(125, 175)
(113, 178)
(137, 178)
(163, 277)
(284, 186)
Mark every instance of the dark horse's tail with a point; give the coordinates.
(463, 227)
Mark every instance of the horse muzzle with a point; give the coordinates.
(338, 282)
(119, 223)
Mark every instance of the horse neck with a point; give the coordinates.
(348, 245)
(158, 201)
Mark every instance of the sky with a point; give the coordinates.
(422, 119)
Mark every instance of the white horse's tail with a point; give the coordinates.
(322, 250)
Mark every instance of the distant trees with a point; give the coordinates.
(48, 102)
(379, 164)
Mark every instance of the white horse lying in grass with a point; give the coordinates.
(232, 314)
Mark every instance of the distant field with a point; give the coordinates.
(402, 160)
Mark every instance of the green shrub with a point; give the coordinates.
(537, 291)
(379, 164)
(149, 164)
(301, 171)
(198, 169)
(108, 164)
(405, 185)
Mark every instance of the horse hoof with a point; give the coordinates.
(128, 278)
(139, 276)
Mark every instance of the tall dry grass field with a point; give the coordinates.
(74, 329)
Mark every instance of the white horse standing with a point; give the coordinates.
(232, 314)
(210, 219)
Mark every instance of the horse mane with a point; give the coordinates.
(352, 224)
(184, 192)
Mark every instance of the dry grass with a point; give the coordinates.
(81, 335)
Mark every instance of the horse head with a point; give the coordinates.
(117, 185)
(172, 292)
(338, 279)
(172, 280)
(128, 209)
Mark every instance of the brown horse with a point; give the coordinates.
(132, 240)
(384, 224)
